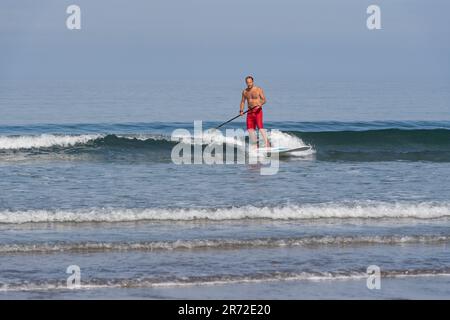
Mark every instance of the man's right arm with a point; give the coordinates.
(241, 108)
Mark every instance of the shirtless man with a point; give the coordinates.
(255, 100)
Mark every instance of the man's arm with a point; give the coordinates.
(262, 96)
(241, 107)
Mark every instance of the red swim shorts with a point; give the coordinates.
(255, 118)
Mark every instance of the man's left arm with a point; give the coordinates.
(262, 96)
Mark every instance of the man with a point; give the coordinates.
(255, 100)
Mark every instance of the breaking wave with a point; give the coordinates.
(376, 210)
(360, 145)
(220, 244)
(150, 282)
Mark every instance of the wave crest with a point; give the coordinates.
(44, 141)
(222, 244)
(98, 283)
(424, 210)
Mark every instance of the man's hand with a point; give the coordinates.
(241, 112)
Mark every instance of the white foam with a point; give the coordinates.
(285, 140)
(215, 136)
(202, 244)
(218, 280)
(43, 141)
(144, 137)
(310, 211)
(211, 136)
(276, 137)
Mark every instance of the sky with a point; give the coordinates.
(224, 39)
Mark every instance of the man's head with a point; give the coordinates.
(249, 81)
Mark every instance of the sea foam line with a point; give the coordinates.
(60, 140)
(424, 210)
(218, 280)
(44, 141)
(201, 244)
(48, 140)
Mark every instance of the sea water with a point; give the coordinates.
(87, 180)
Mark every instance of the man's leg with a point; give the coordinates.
(266, 140)
(251, 126)
(259, 124)
(252, 135)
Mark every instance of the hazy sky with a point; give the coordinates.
(221, 39)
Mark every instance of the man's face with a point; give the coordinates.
(249, 83)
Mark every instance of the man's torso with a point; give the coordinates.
(253, 97)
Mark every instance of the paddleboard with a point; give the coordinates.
(282, 150)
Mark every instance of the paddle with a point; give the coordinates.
(230, 120)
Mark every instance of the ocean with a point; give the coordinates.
(88, 183)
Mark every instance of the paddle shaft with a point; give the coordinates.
(231, 120)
